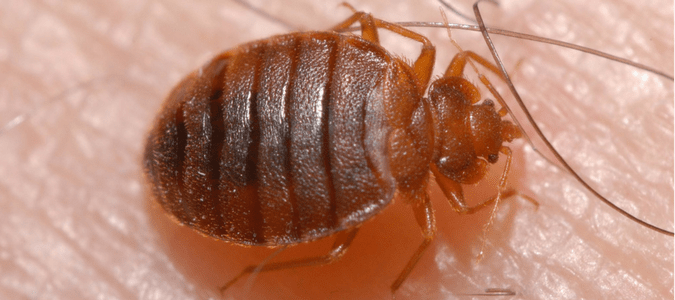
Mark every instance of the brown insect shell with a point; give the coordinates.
(256, 178)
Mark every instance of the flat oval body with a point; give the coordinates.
(286, 140)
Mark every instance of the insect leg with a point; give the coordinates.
(424, 64)
(456, 67)
(424, 214)
(455, 195)
(339, 248)
(368, 28)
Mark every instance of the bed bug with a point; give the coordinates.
(394, 156)
(307, 135)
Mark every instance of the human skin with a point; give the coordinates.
(82, 81)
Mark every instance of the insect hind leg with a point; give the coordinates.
(339, 248)
(424, 214)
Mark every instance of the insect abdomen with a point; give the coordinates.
(276, 142)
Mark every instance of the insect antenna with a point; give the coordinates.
(548, 144)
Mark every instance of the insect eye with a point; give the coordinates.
(493, 158)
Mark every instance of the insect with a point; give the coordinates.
(74, 211)
(307, 135)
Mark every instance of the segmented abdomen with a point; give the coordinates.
(276, 142)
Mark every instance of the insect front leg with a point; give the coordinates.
(455, 195)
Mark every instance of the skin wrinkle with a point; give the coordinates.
(106, 73)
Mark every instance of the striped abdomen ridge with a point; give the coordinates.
(268, 142)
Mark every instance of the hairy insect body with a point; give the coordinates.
(291, 139)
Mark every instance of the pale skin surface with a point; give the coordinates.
(88, 78)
